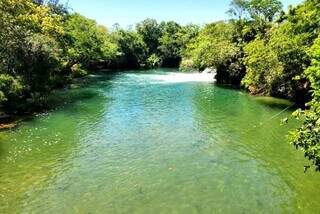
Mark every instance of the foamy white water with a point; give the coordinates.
(168, 78)
(185, 77)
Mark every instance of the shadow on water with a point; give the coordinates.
(272, 102)
(227, 87)
(81, 90)
(275, 103)
(69, 97)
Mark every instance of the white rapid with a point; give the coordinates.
(185, 77)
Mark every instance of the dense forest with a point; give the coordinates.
(262, 48)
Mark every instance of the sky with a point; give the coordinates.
(130, 12)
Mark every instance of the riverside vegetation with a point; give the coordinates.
(261, 48)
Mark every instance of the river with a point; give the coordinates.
(155, 142)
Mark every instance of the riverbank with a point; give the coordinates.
(7, 121)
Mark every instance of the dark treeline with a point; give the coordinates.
(261, 48)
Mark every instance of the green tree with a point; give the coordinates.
(262, 67)
(307, 137)
(133, 50)
(150, 31)
(188, 34)
(253, 17)
(264, 10)
(87, 43)
(30, 55)
(239, 9)
(287, 44)
(170, 44)
(214, 47)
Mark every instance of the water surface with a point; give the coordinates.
(155, 142)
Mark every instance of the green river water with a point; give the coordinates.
(155, 142)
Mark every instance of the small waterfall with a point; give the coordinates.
(210, 73)
(186, 77)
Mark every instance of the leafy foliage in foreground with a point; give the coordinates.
(307, 137)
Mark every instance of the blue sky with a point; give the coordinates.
(129, 12)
